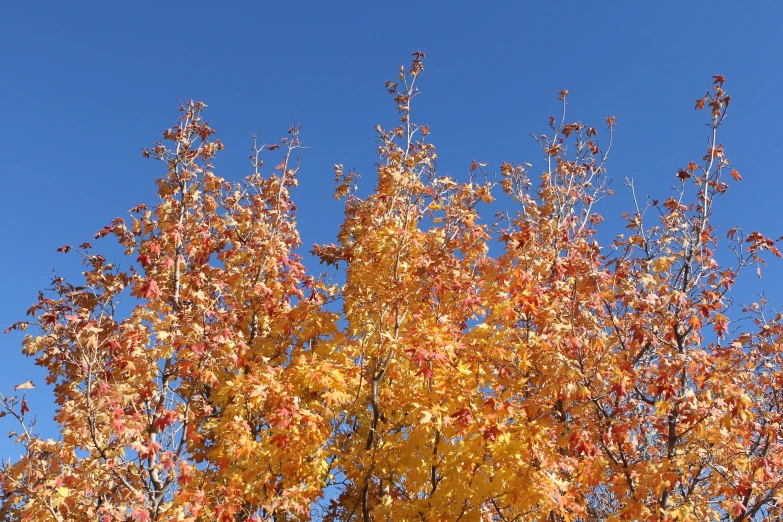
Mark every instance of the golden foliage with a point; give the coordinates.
(542, 379)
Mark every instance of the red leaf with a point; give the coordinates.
(492, 433)
(150, 289)
(141, 514)
(721, 327)
(738, 509)
(166, 420)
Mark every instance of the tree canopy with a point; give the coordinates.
(468, 363)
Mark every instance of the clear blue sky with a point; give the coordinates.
(85, 85)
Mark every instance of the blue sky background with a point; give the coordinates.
(85, 85)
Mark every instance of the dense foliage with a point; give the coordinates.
(503, 369)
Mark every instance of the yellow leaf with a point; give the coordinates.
(259, 389)
(63, 492)
(464, 368)
(662, 264)
(25, 386)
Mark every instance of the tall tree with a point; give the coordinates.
(502, 369)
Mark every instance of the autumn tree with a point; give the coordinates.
(464, 368)
(188, 407)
